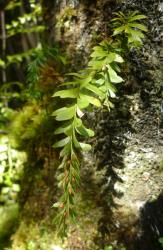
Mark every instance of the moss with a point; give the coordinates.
(30, 126)
(8, 222)
(65, 16)
(34, 236)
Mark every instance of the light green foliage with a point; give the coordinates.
(2, 63)
(26, 23)
(5, 115)
(161, 241)
(11, 170)
(94, 86)
(8, 215)
(33, 236)
(26, 124)
(129, 28)
(18, 58)
(13, 4)
(8, 94)
(108, 248)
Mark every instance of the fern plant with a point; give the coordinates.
(94, 86)
(40, 57)
(129, 28)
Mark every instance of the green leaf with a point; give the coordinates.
(82, 102)
(108, 248)
(61, 143)
(112, 94)
(92, 100)
(135, 33)
(65, 113)
(111, 87)
(99, 53)
(68, 93)
(85, 146)
(161, 241)
(97, 65)
(85, 81)
(78, 75)
(75, 141)
(113, 75)
(61, 130)
(119, 30)
(139, 26)
(2, 63)
(118, 58)
(100, 81)
(65, 151)
(77, 122)
(70, 83)
(120, 14)
(133, 13)
(79, 112)
(137, 17)
(82, 130)
(110, 58)
(94, 89)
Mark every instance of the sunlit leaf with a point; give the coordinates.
(118, 30)
(118, 58)
(139, 26)
(68, 93)
(97, 65)
(94, 89)
(85, 146)
(113, 75)
(137, 17)
(92, 100)
(64, 113)
(99, 53)
(82, 102)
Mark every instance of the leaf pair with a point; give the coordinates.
(129, 26)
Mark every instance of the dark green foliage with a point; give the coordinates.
(40, 57)
(161, 241)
